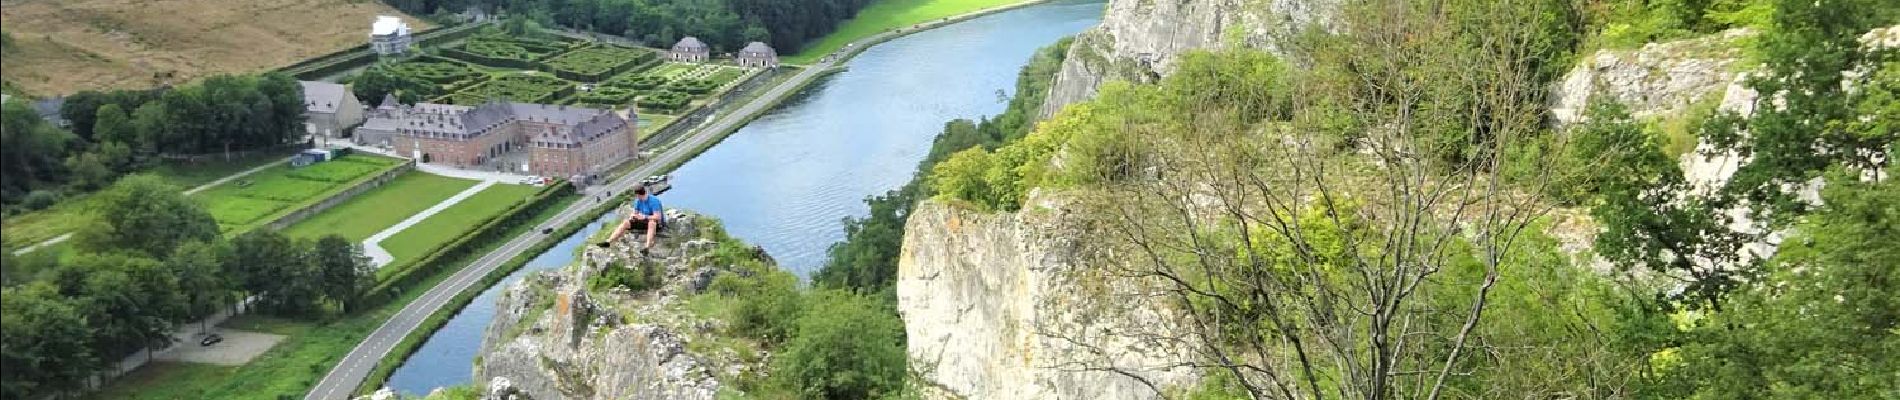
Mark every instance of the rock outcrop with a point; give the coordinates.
(1138, 40)
(996, 306)
(1658, 79)
(555, 338)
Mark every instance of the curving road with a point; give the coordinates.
(350, 372)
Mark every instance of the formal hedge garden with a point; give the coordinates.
(594, 64)
(440, 71)
(519, 88)
(612, 96)
(664, 100)
(504, 52)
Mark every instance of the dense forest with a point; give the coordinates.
(727, 25)
(118, 132)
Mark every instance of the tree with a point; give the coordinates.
(88, 171)
(129, 301)
(201, 277)
(1820, 323)
(346, 272)
(277, 270)
(115, 125)
(31, 149)
(846, 347)
(45, 348)
(145, 214)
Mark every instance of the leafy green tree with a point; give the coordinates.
(113, 124)
(768, 303)
(31, 150)
(45, 342)
(846, 346)
(147, 215)
(1822, 323)
(201, 279)
(346, 272)
(278, 270)
(1805, 122)
(129, 301)
(89, 171)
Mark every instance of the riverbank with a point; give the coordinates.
(898, 18)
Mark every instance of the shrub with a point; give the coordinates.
(847, 346)
(40, 199)
(768, 302)
(638, 278)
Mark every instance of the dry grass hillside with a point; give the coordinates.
(63, 46)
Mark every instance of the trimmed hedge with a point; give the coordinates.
(593, 64)
(455, 252)
(521, 88)
(664, 100)
(690, 86)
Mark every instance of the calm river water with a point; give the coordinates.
(787, 180)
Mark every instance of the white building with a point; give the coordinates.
(389, 35)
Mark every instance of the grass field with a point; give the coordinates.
(885, 15)
(380, 208)
(60, 47)
(288, 370)
(240, 206)
(449, 224)
(67, 216)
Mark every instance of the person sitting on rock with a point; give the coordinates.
(646, 210)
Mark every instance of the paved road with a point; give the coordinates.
(356, 366)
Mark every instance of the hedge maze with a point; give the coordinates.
(486, 67)
(594, 64)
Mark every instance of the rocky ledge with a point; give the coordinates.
(561, 335)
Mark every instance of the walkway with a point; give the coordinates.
(343, 378)
(67, 236)
(373, 246)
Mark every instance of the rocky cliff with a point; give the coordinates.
(555, 337)
(1138, 40)
(996, 306)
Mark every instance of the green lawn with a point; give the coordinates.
(449, 224)
(254, 200)
(67, 216)
(288, 370)
(885, 15)
(378, 209)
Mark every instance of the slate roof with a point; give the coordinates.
(690, 43)
(758, 49)
(571, 124)
(323, 97)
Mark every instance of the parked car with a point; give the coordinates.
(211, 340)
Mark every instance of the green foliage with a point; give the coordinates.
(45, 342)
(1632, 23)
(33, 150)
(1823, 322)
(595, 63)
(637, 278)
(768, 303)
(147, 215)
(516, 87)
(846, 346)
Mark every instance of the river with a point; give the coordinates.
(787, 180)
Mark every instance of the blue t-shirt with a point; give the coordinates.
(649, 206)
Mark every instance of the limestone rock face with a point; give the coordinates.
(553, 338)
(1139, 40)
(1657, 79)
(995, 307)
